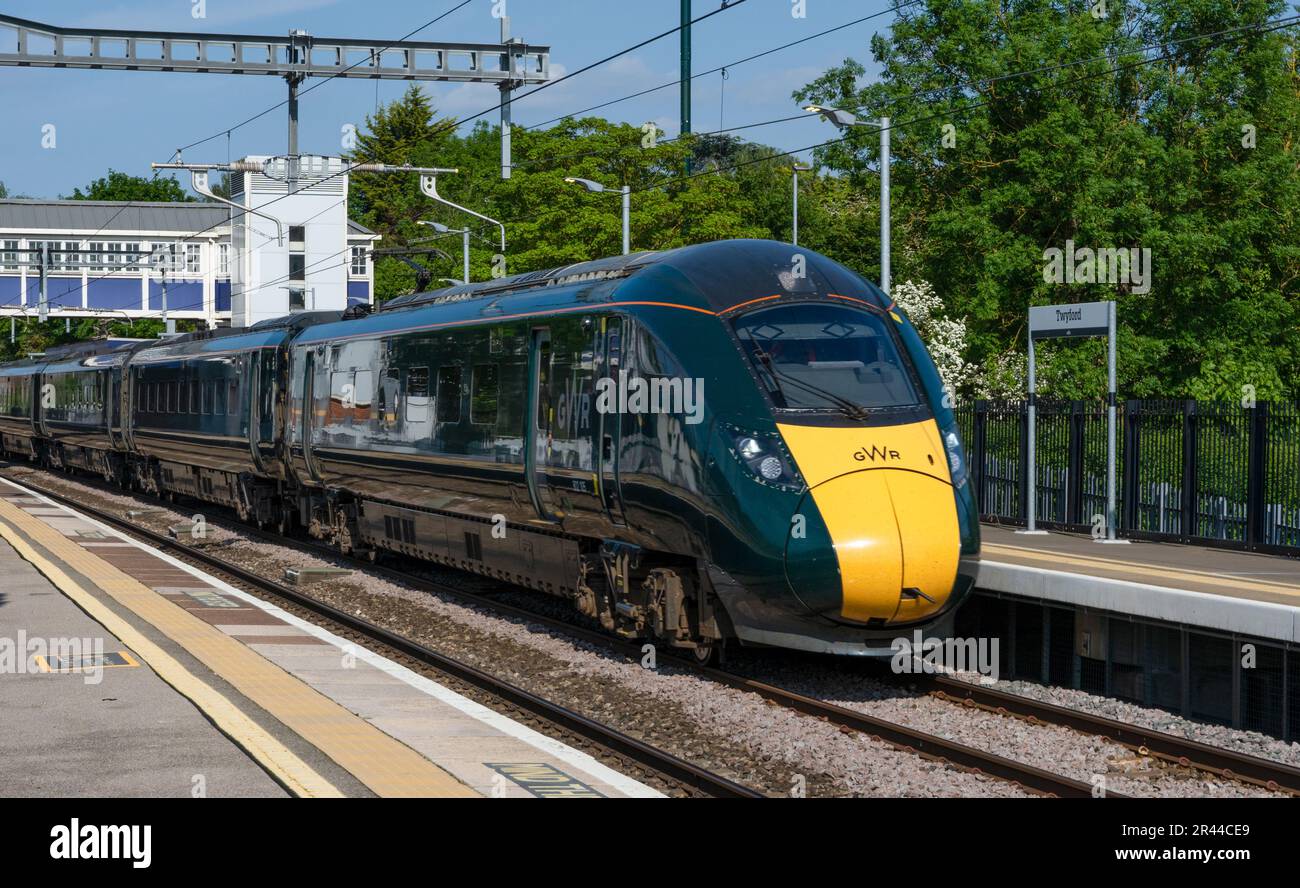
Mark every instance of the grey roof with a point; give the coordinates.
(105, 215)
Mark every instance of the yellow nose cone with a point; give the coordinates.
(893, 526)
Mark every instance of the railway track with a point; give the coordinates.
(1272, 775)
(623, 746)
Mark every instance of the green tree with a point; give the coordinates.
(1106, 153)
(548, 222)
(122, 186)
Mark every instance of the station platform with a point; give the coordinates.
(1229, 591)
(130, 673)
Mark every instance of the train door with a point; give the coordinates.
(539, 422)
(609, 423)
(308, 410)
(565, 472)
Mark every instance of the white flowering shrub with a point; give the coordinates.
(945, 338)
(1006, 376)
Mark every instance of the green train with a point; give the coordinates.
(735, 442)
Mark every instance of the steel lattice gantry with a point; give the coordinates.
(295, 57)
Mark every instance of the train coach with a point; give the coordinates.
(737, 441)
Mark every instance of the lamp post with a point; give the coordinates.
(596, 187)
(464, 232)
(794, 225)
(845, 120)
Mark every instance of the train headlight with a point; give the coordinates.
(765, 459)
(956, 464)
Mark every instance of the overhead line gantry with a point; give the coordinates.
(509, 65)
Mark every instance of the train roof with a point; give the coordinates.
(71, 355)
(711, 278)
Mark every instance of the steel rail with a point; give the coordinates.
(665, 763)
(1267, 773)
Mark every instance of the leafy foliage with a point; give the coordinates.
(1193, 156)
(122, 186)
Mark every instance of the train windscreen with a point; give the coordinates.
(823, 356)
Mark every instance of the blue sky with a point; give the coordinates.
(124, 120)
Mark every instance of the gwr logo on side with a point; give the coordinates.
(874, 453)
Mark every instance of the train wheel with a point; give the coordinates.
(705, 653)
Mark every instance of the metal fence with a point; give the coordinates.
(1188, 471)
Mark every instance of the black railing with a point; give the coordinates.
(1213, 473)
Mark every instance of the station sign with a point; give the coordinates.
(1060, 321)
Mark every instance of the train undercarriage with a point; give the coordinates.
(633, 593)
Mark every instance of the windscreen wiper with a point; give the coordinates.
(849, 408)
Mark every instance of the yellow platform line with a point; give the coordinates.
(292, 772)
(1164, 573)
(382, 763)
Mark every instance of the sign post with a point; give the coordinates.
(1064, 322)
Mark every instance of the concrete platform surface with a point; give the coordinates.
(1223, 589)
(322, 715)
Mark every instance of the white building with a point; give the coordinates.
(217, 271)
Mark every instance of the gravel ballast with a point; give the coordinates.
(729, 731)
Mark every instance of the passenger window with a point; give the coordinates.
(364, 395)
(417, 382)
(219, 398)
(449, 394)
(485, 394)
(417, 395)
(342, 398)
(194, 396)
(390, 385)
(232, 402)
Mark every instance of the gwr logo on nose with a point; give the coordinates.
(875, 453)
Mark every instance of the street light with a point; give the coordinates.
(627, 206)
(844, 120)
(443, 229)
(794, 227)
(836, 116)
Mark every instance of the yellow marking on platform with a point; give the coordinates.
(127, 661)
(292, 772)
(382, 763)
(1165, 573)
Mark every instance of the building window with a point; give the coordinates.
(223, 259)
(95, 259)
(193, 258)
(359, 261)
(164, 258)
(71, 259)
(297, 266)
(9, 255)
